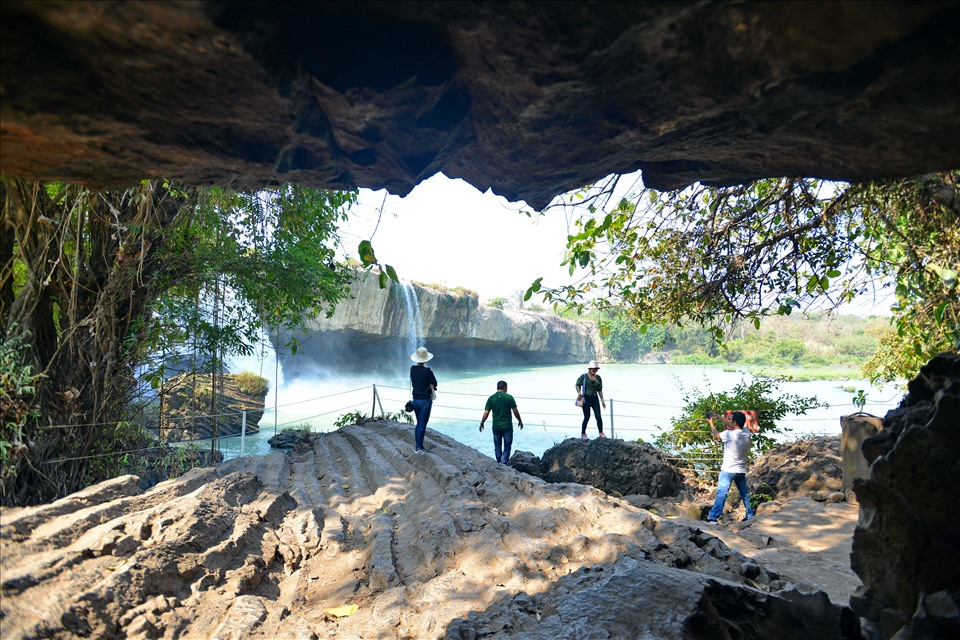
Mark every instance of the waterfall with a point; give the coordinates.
(414, 320)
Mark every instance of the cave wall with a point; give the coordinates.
(529, 99)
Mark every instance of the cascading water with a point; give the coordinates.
(414, 319)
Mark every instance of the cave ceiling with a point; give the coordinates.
(528, 99)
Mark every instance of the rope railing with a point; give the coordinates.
(447, 415)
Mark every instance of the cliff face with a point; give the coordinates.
(187, 413)
(379, 327)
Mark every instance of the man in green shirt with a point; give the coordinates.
(501, 404)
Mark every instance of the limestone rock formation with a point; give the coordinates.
(378, 327)
(355, 535)
(187, 413)
(906, 548)
(617, 467)
(530, 99)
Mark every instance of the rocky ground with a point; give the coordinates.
(356, 536)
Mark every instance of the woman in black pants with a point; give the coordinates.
(590, 388)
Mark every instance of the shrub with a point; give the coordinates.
(689, 437)
(252, 384)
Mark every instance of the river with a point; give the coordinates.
(641, 400)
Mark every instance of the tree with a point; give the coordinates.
(709, 256)
(93, 286)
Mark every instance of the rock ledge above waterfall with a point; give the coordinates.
(377, 327)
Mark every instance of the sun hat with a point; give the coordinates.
(593, 365)
(421, 355)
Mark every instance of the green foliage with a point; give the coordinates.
(352, 417)
(399, 416)
(121, 285)
(17, 407)
(359, 417)
(860, 400)
(266, 258)
(689, 437)
(251, 384)
(708, 257)
(497, 303)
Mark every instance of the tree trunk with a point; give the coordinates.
(88, 260)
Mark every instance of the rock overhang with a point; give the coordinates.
(528, 99)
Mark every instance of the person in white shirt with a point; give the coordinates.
(733, 469)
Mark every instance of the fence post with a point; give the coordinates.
(611, 417)
(243, 432)
(373, 402)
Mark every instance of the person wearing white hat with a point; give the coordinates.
(424, 385)
(590, 391)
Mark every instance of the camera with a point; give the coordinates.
(711, 414)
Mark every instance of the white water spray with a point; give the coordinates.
(414, 319)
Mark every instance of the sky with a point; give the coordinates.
(447, 232)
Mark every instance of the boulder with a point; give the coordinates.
(906, 548)
(526, 462)
(289, 439)
(807, 467)
(616, 467)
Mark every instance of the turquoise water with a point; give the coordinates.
(641, 400)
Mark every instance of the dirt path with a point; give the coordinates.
(414, 545)
(804, 540)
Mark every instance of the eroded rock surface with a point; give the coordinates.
(531, 99)
(442, 544)
(906, 548)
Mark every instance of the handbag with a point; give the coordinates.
(581, 398)
(408, 407)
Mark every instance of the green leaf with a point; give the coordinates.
(391, 272)
(938, 314)
(383, 280)
(367, 256)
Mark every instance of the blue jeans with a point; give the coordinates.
(421, 409)
(502, 441)
(739, 479)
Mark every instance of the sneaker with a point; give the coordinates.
(603, 435)
(419, 450)
(583, 436)
(713, 522)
